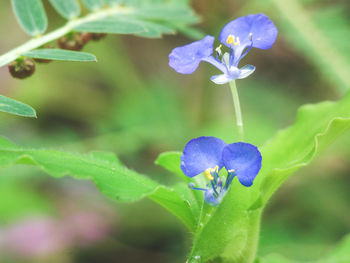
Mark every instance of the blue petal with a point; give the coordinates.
(246, 71)
(221, 79)
(244, 159)
(263, 31)
(200, 154)
(186, 59)
(234, 73)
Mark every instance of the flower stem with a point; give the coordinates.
(237, 106)
(69, 26)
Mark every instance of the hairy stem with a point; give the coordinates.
(238, 113)
(41, 40)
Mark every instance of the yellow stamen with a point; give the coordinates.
(208, 172)
(231, 171)
(231, 39)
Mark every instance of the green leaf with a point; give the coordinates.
(112, 25)
(30, 15)
(15, 107)
(338, 255)
(93, 4)
(316, 126)
(110, 176)
(68, 8)
(171, 161)
(231, 230)
(60, 54)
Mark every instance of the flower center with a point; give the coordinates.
(231, 39)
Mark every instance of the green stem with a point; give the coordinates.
(41, 40)
(237, 106)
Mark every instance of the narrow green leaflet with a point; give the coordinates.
(113, 2)
(15, 107)
(113, 179)
(230, 230)
(155, 30)
(30, 15)
(339, 255)
(67, 8)
(142, 3)
(112, 25)
(189, 31)
(60, 54)
(93, 4)
(167, 13)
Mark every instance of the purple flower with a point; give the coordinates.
(243, 160)
(201, 154)
(186, 59)
(239, 35)
(209, 155)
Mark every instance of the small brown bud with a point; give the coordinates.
(22, 68)
(97, 36)
(71, 41)
(86, 37)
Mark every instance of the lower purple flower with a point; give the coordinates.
(209, 155)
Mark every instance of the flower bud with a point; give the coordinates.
(97, 36)
(86, 37)
(22, 68)
(71, 41)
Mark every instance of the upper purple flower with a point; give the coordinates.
(209, 154)
(186, 59)
(239, 35)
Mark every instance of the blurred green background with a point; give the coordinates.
(133, 104)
